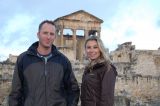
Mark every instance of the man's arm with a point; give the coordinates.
(73, 91)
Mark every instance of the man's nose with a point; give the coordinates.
(49, 35)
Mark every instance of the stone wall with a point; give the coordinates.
(6, 72)
(12, 58)
(138, 74)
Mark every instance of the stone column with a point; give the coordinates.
(61, 35)
(98, 33)
(74, 43)
(86, 34)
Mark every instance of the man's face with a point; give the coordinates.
(46, 35)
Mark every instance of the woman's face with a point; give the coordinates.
(92, 50)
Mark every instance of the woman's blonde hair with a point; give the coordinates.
(103, 53)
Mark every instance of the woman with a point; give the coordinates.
(99, 76)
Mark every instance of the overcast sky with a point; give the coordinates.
(136, 21)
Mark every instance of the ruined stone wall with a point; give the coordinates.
(140, 62)
(136, 87)
(12, 58)
(6, 71)
(138, 74)
(147, 63)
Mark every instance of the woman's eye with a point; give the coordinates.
(95, 47)
(88, 47)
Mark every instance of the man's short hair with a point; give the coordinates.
(45, 21)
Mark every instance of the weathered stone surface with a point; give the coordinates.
(138, 74)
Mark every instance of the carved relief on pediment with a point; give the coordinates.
(81, 17)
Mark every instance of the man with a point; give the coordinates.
(43, 76)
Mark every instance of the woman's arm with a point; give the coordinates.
(107, 87)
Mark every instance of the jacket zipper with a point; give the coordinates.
(45, 59)
(45, 73)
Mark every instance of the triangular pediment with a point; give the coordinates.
(81, 16)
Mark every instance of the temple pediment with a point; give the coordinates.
(81, 15)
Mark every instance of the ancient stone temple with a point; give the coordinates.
(72, 45)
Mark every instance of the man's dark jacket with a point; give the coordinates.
(39, 83)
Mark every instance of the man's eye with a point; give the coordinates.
(45, 32)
